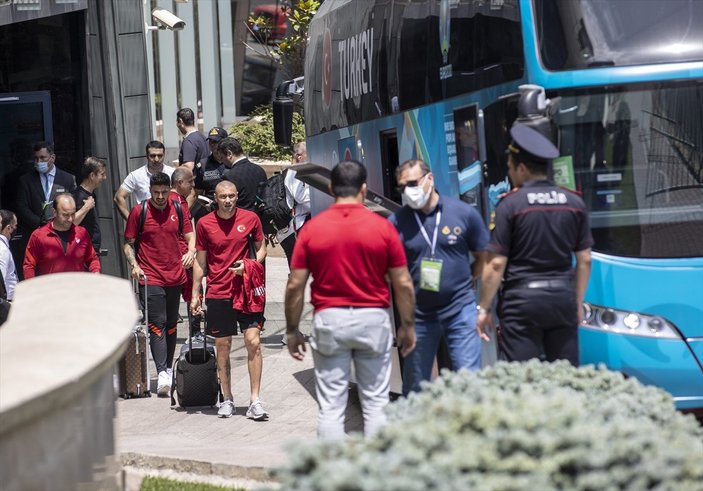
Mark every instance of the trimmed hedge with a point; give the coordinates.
(516, 426)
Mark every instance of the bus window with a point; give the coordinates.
(468, 162)
(389, 163)
(636, 158)
(498, 117)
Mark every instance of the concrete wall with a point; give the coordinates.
(57, 401)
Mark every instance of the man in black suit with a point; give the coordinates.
(36, 191)
(245, 174)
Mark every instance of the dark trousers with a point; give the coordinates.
(287, 245)
(538, 323)
(163, 304)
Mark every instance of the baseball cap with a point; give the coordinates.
(216, 134)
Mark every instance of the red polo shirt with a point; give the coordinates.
(45, 252)
(348, 249)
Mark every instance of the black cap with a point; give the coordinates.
(532, 143)
(216, 134)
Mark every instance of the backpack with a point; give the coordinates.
(142, 218)
(271, 205)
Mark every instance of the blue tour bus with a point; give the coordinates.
(390, 80)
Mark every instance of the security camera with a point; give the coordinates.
(167, 19)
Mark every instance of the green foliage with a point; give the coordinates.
(290, 51)
(256, 134)
(516, 426)
(162, 484)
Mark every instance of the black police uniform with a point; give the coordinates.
(538, 227)
(209, 175)
(212, 170)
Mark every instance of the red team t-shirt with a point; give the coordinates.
(159, 254)
(174, 196)
(225, 242)
(348, 249)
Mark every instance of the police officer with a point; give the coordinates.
(537, 228)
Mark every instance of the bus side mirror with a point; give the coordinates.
(283, 110)
(283, 120)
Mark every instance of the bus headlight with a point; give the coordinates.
(631, 320)
(607, 318)
(627, 322)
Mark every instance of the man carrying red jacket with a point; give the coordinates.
(222, 246)
(60, 246)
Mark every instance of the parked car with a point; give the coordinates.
(274, 16)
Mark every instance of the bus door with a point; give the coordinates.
(498, 117)
(487, 133)
(389, 163)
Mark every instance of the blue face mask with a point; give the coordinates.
(41, 167)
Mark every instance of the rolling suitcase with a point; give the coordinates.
(195, 380)
(133, 368)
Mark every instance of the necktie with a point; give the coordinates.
(45, 183)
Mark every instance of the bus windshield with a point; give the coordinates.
(575, 34)
(636, 156)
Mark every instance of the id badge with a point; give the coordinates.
(430, 272)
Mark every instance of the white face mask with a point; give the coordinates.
(415, 197)
(42, 167)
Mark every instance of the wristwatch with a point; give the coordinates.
(481, 309)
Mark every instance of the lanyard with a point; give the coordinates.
(432, 244)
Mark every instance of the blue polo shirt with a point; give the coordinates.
(461, 230)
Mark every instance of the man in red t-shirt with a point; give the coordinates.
(60, 246)
(159, 257)
(182, 184)
(350, 252)
(222, 246)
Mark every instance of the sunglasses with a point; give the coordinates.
(411, 184)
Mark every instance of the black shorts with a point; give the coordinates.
(222, 320)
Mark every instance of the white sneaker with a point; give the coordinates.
(256, 411)
(226, 409)
(163, 386)
(170, 373)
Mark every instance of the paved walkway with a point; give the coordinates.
(151, 435)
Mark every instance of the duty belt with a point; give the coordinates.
(540, 284)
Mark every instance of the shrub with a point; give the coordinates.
(256, 134)
(516, 426)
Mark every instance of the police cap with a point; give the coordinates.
(216, 134)
(533, 144)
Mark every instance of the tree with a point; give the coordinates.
(289, 52)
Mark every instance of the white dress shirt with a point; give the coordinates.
(7, 266)
(297, 197)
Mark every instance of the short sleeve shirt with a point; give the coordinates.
(159, 254)
(137, 182)
(194, 148)
(174, 196)
(348, 249)
(211, 175)
(90, 221)
(225, 241)
(460, 231)
(538, 227)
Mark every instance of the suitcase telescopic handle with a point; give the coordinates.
(146, 303)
